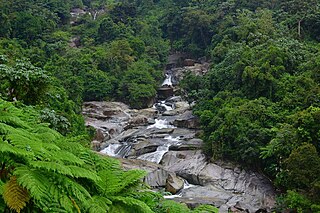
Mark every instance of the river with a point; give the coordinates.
(163, 141)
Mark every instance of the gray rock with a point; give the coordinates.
(174, 184)
(95, 145)
(143, 147)
(189, 167)
(198, 195)
(157, 178)
(187, 120)
(165, 92)
(180, 107)
(193, 144)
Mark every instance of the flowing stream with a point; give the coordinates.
(162, 140)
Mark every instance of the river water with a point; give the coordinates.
(165, 136)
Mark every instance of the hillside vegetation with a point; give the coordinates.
(259, 104)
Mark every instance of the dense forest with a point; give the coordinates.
(259, 104)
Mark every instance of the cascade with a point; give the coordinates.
(162, 136)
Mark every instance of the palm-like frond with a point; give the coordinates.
(98, 204)
(114, 182)
(35, 181)
(15, 196)
(133, 204)
(57, 173)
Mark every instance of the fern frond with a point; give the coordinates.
(22, 138)
(46, 134)
(34, 181)
(133, 204)
(12, 120)
(98, 204)
(8, 148)
(74, 148)
(14, 195)
(75, 189)
(5, 128)
(67, 157)
(1, 187)
(66, 203)
(52, 166)
(107, 163)
(79, 172)
(114, 182)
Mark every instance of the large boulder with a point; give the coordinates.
(174, 184)
(186, 164)
(187, 120)
(180, 107)
(157, 178)
(193, 144)
(165, 92)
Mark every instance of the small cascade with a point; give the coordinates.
(124, 150)
(156, 156)
(160, 124)
(186, 185)
(168, 80)
(111, 150)
(117, 150)
(162, 106)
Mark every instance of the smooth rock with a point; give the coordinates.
(193, 144)
(95, 145)
(174, 184)
(198, 195)
(187, 120)
(189, 167)
(157, 178)
(165, 92)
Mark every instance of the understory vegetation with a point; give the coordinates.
(259, 104)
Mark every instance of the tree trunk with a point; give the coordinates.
(299, 28)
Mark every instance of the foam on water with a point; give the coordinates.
(170, 138)
(111, 150)
(167, 81)
(156, 156)
(161, 124)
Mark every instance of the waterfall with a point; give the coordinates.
(160, 124)
(168, 80)
(111, 150)
(117, 150)
(156, 156)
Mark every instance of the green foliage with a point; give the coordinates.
(24, 82)
(206, 208)
(58, 174)
(171, 206)
(302, 167)
(137, 86)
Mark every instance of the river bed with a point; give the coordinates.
(163, 141)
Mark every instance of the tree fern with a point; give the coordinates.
(133, 205)
(98, 204)
(14, 195)
(114, 182)
(35, 181)
(5, 128)
(59, 174)
(8, 148)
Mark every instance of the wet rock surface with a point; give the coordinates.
(163, 141)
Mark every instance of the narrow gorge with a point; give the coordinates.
(163, 140)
